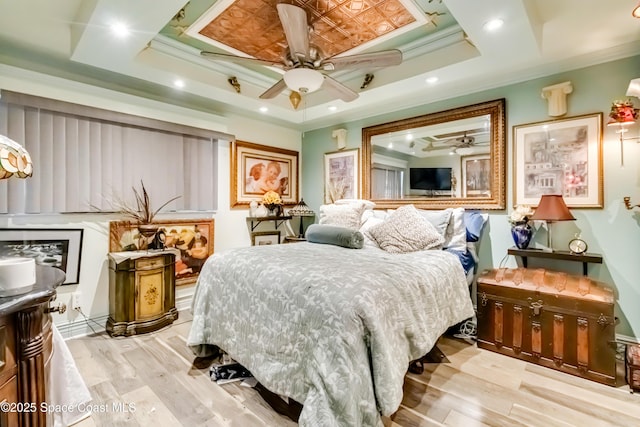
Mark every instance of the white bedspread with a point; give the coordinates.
(330, 327)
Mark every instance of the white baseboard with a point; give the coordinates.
(82, 326)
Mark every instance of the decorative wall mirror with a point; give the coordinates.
(453, 158)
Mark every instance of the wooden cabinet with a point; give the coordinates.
(25, 350)
(141, 292)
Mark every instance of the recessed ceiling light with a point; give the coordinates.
(120, 29)
(493, 24)
(178, 83)
(408, 137)
(332, 108)
(390, 145)
(263, 109)
(432, 80)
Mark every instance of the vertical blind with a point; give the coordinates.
(84, 164)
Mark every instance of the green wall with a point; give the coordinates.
(612, 231)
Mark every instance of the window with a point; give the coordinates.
(86, 158)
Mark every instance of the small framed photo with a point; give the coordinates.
(256, 169)
(59, 247)
(559, 157)
(341, 175)
(259, 238)
(476, 175)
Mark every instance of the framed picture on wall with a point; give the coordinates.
(190, 239)
(256, 169)
(476, 175)
(59, 247)
(259, 238)
(341, 175)
(559, 157)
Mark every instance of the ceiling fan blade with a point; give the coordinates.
(274, 90)
(384, 58)
(337, 89)
(239, 59)
(296, 29)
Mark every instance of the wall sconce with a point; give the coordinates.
(340, 136)
(627, 203)
(623, 114)
(233, 81)
(556, 95)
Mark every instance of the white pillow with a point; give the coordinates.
(368, 204)
(364, 229)
(348, 216)
(439, 219)
(456, 235)
(405, 231)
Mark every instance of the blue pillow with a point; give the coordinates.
(474, 221)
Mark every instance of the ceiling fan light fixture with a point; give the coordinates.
(303, 80)
(295, 98)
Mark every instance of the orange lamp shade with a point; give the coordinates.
(552, 208)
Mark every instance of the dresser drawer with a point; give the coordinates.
(8, 366)
(150, 263)
(9, 393)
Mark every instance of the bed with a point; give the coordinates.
(333, 328)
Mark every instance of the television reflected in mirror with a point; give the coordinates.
(445, 159)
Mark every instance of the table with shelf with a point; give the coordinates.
(584, 258)
(277, 220)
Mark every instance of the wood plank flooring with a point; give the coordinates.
(156, 373)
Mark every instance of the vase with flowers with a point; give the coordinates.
(272, 201)
(521, 230)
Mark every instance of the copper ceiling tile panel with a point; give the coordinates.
(253, 26)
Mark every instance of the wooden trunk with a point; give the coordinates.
(633, 366)
(549, 318)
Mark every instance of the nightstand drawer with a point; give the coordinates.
(150, 263)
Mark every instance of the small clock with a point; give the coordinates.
(577, 246)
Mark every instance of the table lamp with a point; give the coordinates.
(301, 210)
(550, 209)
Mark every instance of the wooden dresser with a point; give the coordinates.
(141, 292)
(25, 351)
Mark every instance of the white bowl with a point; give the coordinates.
(17, 276)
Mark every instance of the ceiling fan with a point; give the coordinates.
(304, 63)
(462, 141)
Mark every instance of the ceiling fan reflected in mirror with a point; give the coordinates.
(305, 65)
(463, 141)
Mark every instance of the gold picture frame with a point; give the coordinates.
(476, 175)
(256, 169)
(190, 239)
(559, 157)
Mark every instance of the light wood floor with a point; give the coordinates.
(155, 373)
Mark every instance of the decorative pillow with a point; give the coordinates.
(364, 229)
(368, 204)
(347, 216)
(456, 235)
(334, 235)
(439, 219)
(406, 231)
(474, 222)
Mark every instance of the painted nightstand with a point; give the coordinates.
(141, 292)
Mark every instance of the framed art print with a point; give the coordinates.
(59, 247)
(476, 175)
(559, 157)
(260, 238)
(341, 175)
(256, 169)
(190, 239)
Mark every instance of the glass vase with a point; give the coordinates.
(521, 234)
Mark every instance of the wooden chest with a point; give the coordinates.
(633, 367)
(550, 318)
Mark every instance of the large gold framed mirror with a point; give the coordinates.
(453, 158)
